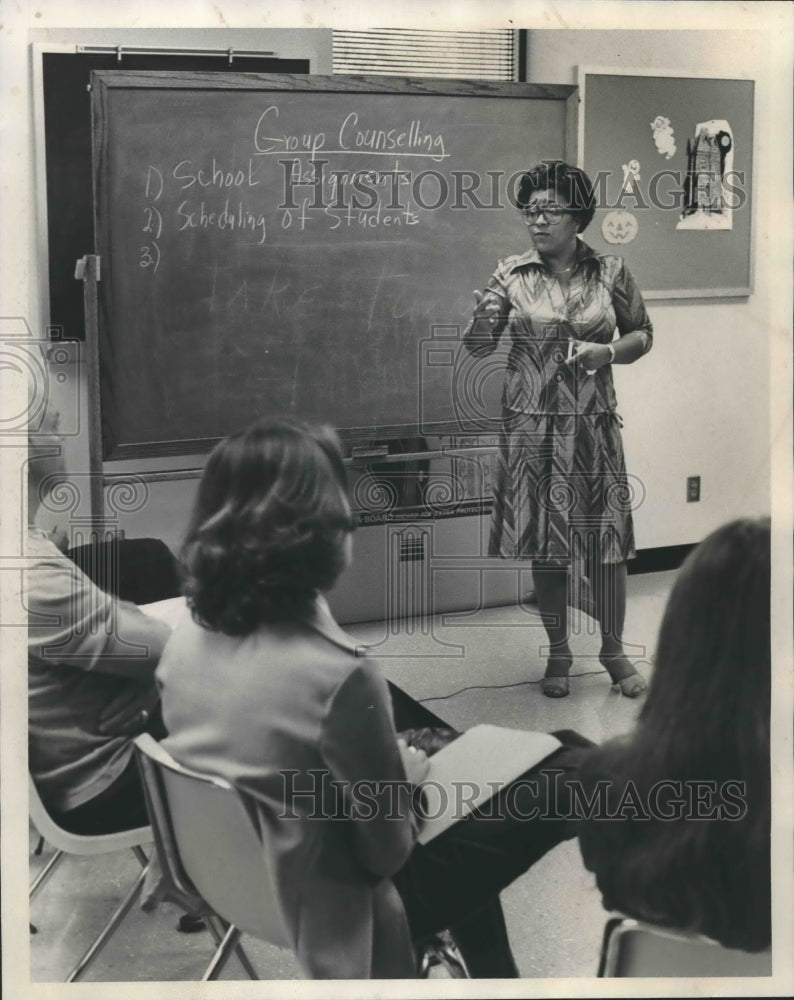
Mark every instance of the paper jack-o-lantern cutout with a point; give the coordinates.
(619, 227)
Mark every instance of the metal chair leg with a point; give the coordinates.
(106, 932)
(220, 958)
(244, 960)
(43, 875)
(218, 930)
(140, 854)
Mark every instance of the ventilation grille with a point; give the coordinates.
(412, 549)
(468, 55)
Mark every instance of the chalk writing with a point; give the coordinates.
(149, 253)
(150, 256)
(154, 183)
(235, 218)
(215, 176)
(352, 219)
(153, 223)
(350, 136)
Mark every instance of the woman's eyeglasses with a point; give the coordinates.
(551, 213)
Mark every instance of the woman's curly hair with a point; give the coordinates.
(268, 526)
(570, 184)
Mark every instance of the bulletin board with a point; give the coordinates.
(670, 157)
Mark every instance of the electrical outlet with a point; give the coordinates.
(692, 489)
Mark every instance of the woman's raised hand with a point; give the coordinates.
(415, 762)
(486, 307)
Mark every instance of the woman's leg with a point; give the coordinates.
(484, 944)
(551, 589)
(608, 583)
(454, 881)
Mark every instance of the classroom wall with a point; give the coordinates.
(697, 405)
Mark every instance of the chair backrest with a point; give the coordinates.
(210, 844)
(636, 949)
(79, 843)
(140, 570)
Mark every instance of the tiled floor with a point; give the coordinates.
(554, 912)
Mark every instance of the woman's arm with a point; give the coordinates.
(359, 745)
(629, 347)
(489, 318)
(633, 323)
(72, 622)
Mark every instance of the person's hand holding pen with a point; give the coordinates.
(414, 761)
(589, 356)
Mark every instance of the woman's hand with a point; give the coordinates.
(486, 308)
(589, 356)
(415, 762)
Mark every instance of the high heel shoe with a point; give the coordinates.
(555, 683)
(631, 683)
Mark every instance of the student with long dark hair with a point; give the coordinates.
(681, 837)
(263, 688)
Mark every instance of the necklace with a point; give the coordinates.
(565, 270)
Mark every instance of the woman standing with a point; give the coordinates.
(561, 495)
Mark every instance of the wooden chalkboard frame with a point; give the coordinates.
(699, 257)
(104, 82)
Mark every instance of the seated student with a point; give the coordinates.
(263, 688)
(91, 661)
(690, 848)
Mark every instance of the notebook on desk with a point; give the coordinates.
(470, 770)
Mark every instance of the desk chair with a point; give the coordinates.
(192, 815)
(634, 949)
(91, 845)
(210, 854)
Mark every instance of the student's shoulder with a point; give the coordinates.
(49, 570)
(40, 548)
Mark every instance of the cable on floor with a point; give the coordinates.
(499, 687)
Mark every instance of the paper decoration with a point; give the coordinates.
(663, 136)
(619, 227)
(707, 195)
(631, 173)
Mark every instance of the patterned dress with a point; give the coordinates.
(561, 490)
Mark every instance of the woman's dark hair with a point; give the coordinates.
(570, 184)
(268, 526)
(705, 724)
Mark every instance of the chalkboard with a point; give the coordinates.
(301, 245)
(67, 134)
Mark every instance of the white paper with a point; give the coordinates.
(471, 769)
